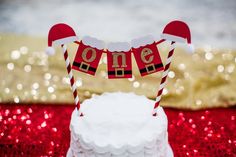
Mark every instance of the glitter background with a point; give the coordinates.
(43, 130)
(35, 97)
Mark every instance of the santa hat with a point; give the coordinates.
(60, 34)
(178, 31)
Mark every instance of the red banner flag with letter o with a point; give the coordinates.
(119, 63)
(147, 55)
(88, 55)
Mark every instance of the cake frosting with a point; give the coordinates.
(119, 124)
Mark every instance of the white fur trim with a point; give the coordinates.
(93, 42)
(190, 48)
(65, 40)
(173, 38)
(142, 41)
(118, 46)
(50, 51)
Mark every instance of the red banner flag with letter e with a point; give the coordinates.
(88, 55)
(119, 63)
(147, 55)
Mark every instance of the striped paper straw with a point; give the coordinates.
(72, 80)
(164, 78)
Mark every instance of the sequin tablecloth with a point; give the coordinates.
(43, 130)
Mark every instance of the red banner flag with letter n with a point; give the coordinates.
(147, 55)
(88, 55)
(119, 63)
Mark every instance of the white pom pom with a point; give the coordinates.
(190, 48)
(50, 51)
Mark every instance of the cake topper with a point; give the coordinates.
(88, 55)
(119, 60)
(175, 31)
(61, 34)
(147, 55)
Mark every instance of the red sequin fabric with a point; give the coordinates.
(39, 130)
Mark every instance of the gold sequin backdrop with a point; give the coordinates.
(204, 79)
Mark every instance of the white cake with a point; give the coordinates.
(119, 125)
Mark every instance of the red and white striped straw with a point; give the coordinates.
(164, 78)
(72, 80)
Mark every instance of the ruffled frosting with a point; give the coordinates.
(118, 123)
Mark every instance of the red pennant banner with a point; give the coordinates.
(87, 57)
(119, 63)
(147, 55)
